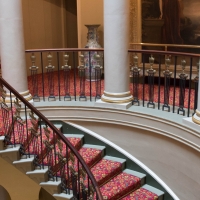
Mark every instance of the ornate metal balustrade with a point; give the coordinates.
(169, 82)
(40, 139)
(155, 78)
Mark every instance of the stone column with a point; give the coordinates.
(13, 63)
(116, 43)
(194, 121)
(196, 116)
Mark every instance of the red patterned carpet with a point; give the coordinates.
(141, 194)
(114, 183)
(76, 88)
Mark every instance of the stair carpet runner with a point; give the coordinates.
(114, 181)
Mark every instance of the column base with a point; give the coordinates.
(190, 122)
(25, 94)
(120, 98)
(122, 106)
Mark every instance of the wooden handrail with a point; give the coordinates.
(167, 45)
(164, 52)
(101, 49)
(67, 143)
(62, 50)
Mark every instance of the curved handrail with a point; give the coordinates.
(41, 116)
(167, 45)
(63, 50)
(101, 49)
(164, 52)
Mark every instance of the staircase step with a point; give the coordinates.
(116, 159)
(38, 175)
(53, 187)
(2, 142)
(120, 185)
(10, 154)
(102, 148)
(75, 140)
(145, 192)
(138, 174)
(91, 155)
(105, 170)
(25, 164)
(63, 196)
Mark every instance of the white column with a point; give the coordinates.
(194, 121)
(13, 63)
(196, 117)
(116, 43)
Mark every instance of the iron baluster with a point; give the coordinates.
(34, 78)
(196, 85)
(81, 69)
(167, 77)
(182, 81)
(98, 69)
(50, 75)
(151, 73)
(135, 74)
(66, 73)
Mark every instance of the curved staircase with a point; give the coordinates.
(37, 148)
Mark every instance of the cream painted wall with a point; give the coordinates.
(43, 23)
(44, 26)
(89, 12)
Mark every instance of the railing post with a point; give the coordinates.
(167, 77)
(34, 78)
(66, 75)
(98, 69)
(50, 74)
(151, 73)
(81, 69)
(135, 74)
(183, 76)
(196, 84)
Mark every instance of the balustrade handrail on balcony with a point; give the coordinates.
(129, 50)
(167, 45)
(62, 50)
(58, 132)
(163, 52)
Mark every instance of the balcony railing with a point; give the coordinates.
(24, 126)
(158, 79)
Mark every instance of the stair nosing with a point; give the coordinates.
(37, 171)
(153, 189)
(135, 173)
(50, 183)
(115, 159)
(24, 160)
(13, 149)
(74, 135)
(94, 146)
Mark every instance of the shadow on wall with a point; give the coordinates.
(4, 194)
(44, 195)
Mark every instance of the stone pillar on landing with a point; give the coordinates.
(116, 58)
(13, 64)
(196, 116)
